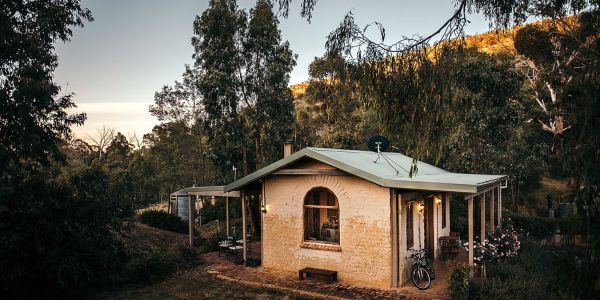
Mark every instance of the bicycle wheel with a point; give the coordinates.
(430, 269)
(421, 278)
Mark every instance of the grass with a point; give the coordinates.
(197, 284)
(185, 278)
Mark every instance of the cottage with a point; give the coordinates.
(357, 212)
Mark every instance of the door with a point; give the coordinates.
(429, 233)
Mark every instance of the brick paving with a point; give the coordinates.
(224, 269)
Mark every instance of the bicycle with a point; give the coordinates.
(422, 269)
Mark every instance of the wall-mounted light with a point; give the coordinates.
(263, 209)
(421, 207)
(438, 200)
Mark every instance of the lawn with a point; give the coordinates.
(197, 284)
(159, 268)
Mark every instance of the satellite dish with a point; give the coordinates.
(378, 143)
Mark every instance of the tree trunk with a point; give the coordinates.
(258, 150)
(245, 161)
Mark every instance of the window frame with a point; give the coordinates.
(410, 231)
(306, 207)
(444, 209)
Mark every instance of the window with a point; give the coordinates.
(321, 217)
(443, 211)
(410, 238)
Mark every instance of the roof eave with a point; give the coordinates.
(258, 174)
(430, 186)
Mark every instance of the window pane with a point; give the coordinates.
(321, 224)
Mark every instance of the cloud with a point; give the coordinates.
(125, 117)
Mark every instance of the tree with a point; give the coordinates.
(487, 120)
(57, 220)
(180, 102)
(217, 42)
(329, 113)
(266, 97)
(32, 113)
(103, 138)
(119, 151)
(552, 53)
(426, 104)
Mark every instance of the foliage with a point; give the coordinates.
(458, 280)
(58, 233)
(156, 264)
(28, 95)
(486, 118)
(329, 113)
(267, 100)
(541, 227)
(503, 245)
(506, 280)
(176, 157)
(217, 34)
(163, 220)
(180, 102)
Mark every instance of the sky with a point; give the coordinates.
(116, 63)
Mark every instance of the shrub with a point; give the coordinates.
(163, 220)
(533, 274)
(156, 264)
(504, 244)
(58, 236)
(458, 280)
(541, 227)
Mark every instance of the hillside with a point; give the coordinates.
(493, 42)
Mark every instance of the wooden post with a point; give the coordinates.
(262, 219)
(191, 222)
(470, 217)
(227, 215)
(394, 217)
(244, 240)
(492, 208)
(482, 213)
(499, 206)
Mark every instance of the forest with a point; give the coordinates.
(520, 100)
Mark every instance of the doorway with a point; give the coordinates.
(429, 233)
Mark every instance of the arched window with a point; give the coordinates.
(321, 216)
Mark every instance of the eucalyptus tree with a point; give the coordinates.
(266, 97)
(217, 42)
(552, 53)
(181, 102)
(329, 113)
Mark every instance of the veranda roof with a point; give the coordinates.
(217, 190)
(390, 170)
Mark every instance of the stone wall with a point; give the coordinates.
(364, 256)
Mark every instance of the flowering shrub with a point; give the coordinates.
(504, 244)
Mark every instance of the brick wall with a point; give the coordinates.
(364, 254)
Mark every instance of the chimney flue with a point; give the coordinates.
(288, 148)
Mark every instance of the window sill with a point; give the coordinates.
(321, 246)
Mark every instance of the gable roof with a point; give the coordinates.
(364, 164)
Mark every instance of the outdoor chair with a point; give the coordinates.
(448, 247)
(248, 242)
(224, 244)
(234, 251)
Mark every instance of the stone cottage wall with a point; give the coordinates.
(364, 255)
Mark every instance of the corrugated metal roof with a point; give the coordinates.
(391, 170)
(217, 190)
